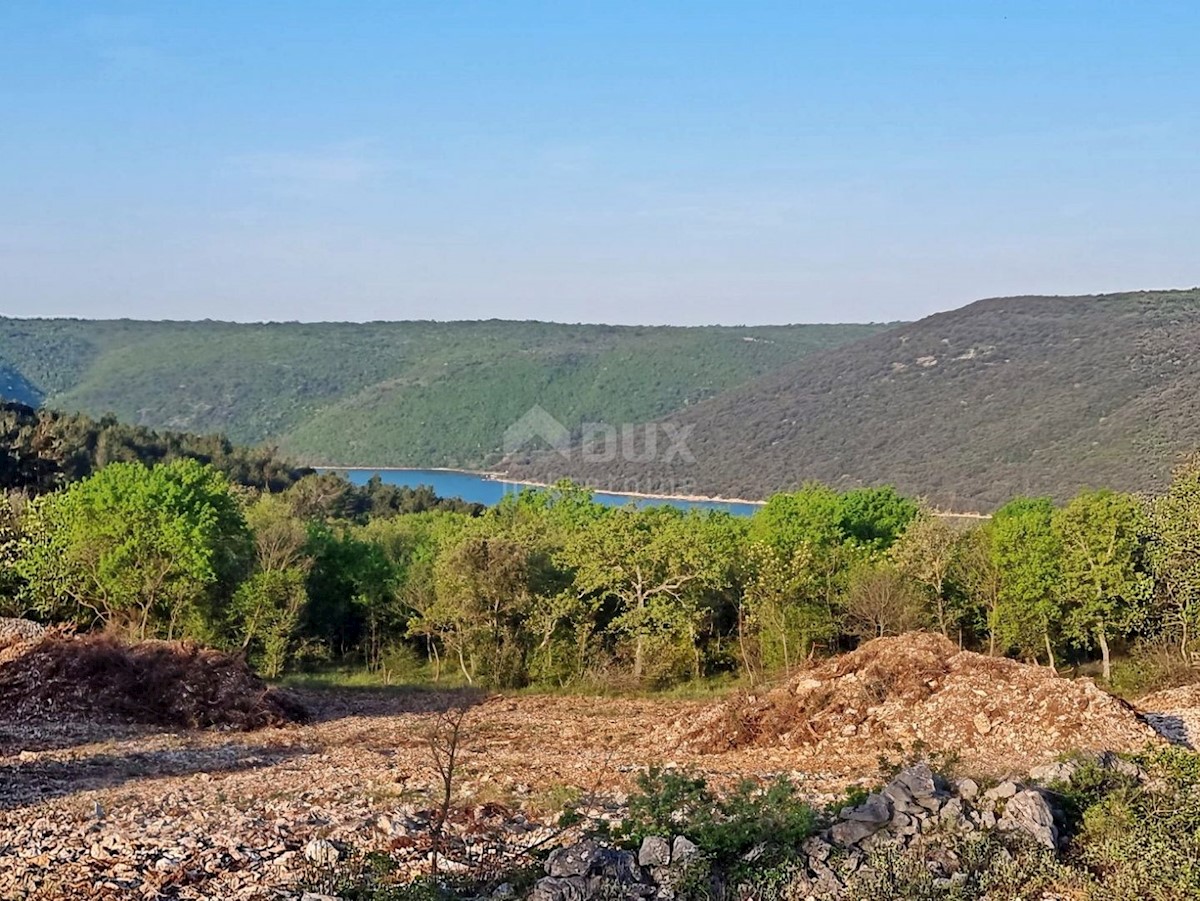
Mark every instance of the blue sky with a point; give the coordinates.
(641, 162)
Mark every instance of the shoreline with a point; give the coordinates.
(502, 477)
(493, 476)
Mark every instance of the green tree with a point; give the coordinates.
(1106, 591)
(656, 564)
(876, 517)
(137, 549)
(1174, 549)
(267, 609)
(1026, 553)
(925, 553)
(781, 612)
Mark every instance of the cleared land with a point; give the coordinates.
(106, 809)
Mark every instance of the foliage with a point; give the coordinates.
(354, 392)
(967, 408)
(772, 818)
(145, 551)
(1026, 551)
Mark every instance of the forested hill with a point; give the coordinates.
(1021, 395)
(380, 394)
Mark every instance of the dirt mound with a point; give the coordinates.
(162, 683)
(920, 688)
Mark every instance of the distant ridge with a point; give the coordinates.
(1006, 396)
(385, 393)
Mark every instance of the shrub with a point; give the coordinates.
(772, 819)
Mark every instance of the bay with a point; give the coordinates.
(480, 488)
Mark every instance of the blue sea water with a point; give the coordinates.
(480, 489)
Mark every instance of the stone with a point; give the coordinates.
(683, 850)
(1059, 771)
(321, 852)
(875, 809)
(816, 849)
(851, 832)
(1029, 812)
(1004, 790)
(568, 888)
(967, 789)
(655, 852)
(620, 866)
(918, 780)
(576, 860)
(952, 816)
(981, 722)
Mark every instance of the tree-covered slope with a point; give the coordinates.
(379, 394)
(1023, 395)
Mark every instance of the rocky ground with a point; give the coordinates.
(111, 810)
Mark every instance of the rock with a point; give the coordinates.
(321, 852)
(316, 896)
(683, 850)
(1114, 762)
(1002, 791)
(967, 789)
(655, 852)
(952, 815)
(1059, 771)
(1029, 812)
(504, 890)
(575, 860)
(918, 780)
(875, 809)
(851, 832)
(981, 722)
(569, 888)
(616, 865)
(816, 849)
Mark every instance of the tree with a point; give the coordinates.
(483, 599)
(1025, 552)
(655, 563)
(973, 571)
(876, 517)
(881, 602)
(925, 553)
(1101, 536)
(781, 613)
(812, 516)
(140, 550)
(1174, 550)
(267, 608)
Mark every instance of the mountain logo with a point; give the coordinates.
(537, 425)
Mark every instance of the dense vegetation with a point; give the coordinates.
(385, 393)
(553, 589)
(1004, 397)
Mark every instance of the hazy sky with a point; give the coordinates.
(642, 162)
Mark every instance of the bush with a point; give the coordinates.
(1141, 839)
(771, 819)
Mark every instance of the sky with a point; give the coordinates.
(628, 162)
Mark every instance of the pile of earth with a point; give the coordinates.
(922, 691)
(58, 676)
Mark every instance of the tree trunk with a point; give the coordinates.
(1106, 661)
(1049, 651)
(639, 644)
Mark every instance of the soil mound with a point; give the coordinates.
(162, 683)
(920, 689)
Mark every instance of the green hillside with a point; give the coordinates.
(1021, 395)
(386, 394)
